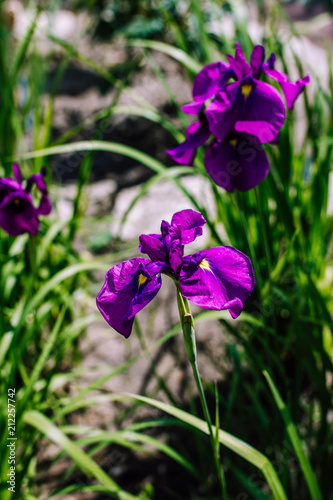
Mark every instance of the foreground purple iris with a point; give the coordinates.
(17, 212)
(241, 116)
(217, 278)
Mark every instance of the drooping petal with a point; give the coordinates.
(17, 214)
(236, 163)
(291, 90)
(257, 59)
(263, 114)
(190, 222)
(210, 80)
(194, 108)
(153, 246)
(217, 278)
(239, 64)
(196, 135)
(127, 289)
(45, 206)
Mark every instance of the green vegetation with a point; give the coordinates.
(275, 413)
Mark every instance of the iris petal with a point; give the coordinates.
(291, 90)
(194, 108)
(153, 246)
(210, 80)
(17, 173)
(196, 135)
(125, 292)
(257, 59)
(239, 64)
(223, 111)
(225, 280)
(263, 114)
(190, 222)
(238, 163)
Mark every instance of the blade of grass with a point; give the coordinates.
(295, 440)
(84, 462)
(111, 147)
(45, 354)
(177, 54)
(238, 446)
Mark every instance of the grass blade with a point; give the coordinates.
(295, 440)
(238, 446)
(86, 464)
(111, 147)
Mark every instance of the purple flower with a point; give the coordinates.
(218, 278)
(247, 105)
(240, 115)
(128, 288)
(169, 246)
(17, 212)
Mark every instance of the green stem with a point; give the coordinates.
(190, 345)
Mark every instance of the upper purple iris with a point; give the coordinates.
(241, 116)
(17, 212)
(217, 278)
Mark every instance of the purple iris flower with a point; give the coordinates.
(240, 115)
(17, 212)
(247, 105)
(217, 278)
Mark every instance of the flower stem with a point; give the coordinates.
(190, 345)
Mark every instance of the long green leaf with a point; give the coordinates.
(84, 462)
(295, 440)
(177, 54)
(238, 446)
(111, 147)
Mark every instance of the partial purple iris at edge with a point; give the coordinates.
(18, 214)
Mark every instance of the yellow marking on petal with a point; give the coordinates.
(204, 264)
(142, 279)
(246, 90)
(16, 201)
(233, 142)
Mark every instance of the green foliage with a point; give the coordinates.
(283, 225)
